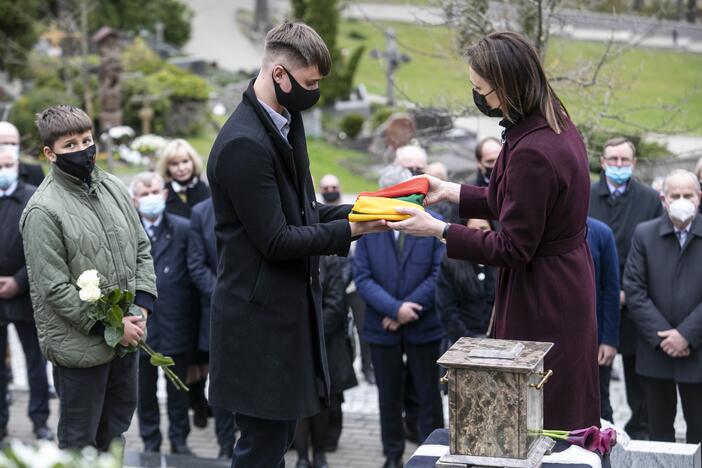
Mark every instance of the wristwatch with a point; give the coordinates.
(444, 234)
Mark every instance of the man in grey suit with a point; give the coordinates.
(662, 285)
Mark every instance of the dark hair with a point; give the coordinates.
(512, 66)
(299, 44)
(616, 141)
(479, 148)
(61, 120)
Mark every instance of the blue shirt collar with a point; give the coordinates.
(280, 120)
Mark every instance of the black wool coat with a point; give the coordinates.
(662, 284)
(175, 205)
(12, 262)
(336, 323)
(637, 204)
(172, 326)
(267, 350)
(31, 174)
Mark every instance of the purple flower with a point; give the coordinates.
(593, 438)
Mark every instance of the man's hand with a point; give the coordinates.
(622, 299)
(8, 287)
(390, 324)
(408, 312)
(133, 330)
(366, 227)
(606, 354)
(674, 344)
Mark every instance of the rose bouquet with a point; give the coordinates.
(592, 438)
(110, 309)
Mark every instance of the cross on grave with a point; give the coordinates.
(146, 112)
(393, 58)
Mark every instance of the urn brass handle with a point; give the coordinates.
(544, 378)
(444, 380)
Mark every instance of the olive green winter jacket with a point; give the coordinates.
(69, 227)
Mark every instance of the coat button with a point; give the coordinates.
(314, 204)
(302, 212)
(166, 270)
(310, 280)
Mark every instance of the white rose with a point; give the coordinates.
(90, 294)
(89, 279)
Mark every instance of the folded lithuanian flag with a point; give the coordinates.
(381, 204)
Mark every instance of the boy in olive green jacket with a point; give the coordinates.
(81, 218)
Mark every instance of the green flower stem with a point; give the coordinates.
(175, 380)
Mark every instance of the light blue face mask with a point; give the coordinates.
(151, 206)
(8, 176)
(619, 174)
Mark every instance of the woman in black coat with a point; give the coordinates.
(465, 294)
(339, 356)
(181, 167)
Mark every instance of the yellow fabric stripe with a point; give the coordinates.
(372, 208)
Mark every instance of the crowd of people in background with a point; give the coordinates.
(405, 299)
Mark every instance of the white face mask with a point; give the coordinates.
(681, 210)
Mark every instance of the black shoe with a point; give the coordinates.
(43, 432)
(303, 463)
(3, 433)
(411, 434)
(392, 463)
(331, 448)
(200, 416)
(320, 461)
(369, 375)
(181, 450)
(226, 453)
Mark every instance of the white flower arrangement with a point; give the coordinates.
(148, 144)
(89, 284)
(45, 454)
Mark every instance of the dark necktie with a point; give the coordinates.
(400, 244)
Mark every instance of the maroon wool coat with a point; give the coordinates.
(539, 192)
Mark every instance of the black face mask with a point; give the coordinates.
(483, 106)
(299, 98)
(331, 197)
(416, 171)
(79, 164)
(487, 171)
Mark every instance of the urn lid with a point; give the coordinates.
(504, 355)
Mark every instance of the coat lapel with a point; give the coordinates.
(284, 149)
(410, 242)
(163, 237)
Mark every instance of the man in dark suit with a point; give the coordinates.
(662, 284)
(603, 248)
(169, 325)
(486, 153)
(15, 304)
(202, 263)
(267, 355)
(622, 202)
(396, 275)
(30, 174)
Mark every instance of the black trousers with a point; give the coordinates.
(358, 309)
(97, 403)
(388, 364)
(662, 400)
(637, 427)
(263, 442)
(606, 411)
(336, 420)
(177, 404)
(224, 427)
(38, 409)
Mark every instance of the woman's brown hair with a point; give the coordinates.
(512, 66)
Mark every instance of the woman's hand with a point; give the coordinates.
(440, 190)
(421, 224)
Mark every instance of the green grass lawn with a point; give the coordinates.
(644, 79)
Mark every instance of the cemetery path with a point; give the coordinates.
(216, 35)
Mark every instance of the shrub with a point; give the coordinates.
(352, 124)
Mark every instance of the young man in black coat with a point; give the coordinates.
(622, 202)
(15, 304)
(169, 327)
(267, 354)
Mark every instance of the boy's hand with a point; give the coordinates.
(133, 331)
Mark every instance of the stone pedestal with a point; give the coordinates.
(495, 403)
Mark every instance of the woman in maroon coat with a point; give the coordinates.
(539, 192)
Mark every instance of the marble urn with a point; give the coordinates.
(495, 393)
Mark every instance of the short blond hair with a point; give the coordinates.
(178, 147)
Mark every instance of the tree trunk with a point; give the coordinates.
(638, 4)
(691, 11)
(261, 16)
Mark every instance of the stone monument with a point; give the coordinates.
(495, 403)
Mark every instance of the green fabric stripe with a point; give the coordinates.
(417, 199)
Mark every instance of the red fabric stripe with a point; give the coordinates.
(408, 187)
